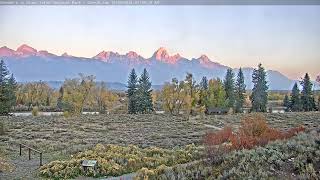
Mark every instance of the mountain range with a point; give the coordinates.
(29, 64)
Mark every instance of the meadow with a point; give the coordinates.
(58, 137)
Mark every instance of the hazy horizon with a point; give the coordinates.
(282, 38)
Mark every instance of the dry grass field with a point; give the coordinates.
(55, 133)
(59, 137)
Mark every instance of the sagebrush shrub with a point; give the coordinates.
(66, 114)
(2, 130)
(269, 162)
(35, 111)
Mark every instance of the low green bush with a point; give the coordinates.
(116, 160)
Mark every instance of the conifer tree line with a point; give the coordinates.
(301, 101)
(229, 93)
(190, 96)
(139, 93)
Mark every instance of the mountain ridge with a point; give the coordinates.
(161, 54)
(30, 64)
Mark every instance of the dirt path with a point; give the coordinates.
(212, 126)
(23, 168)
(123, 177)
(194, 121)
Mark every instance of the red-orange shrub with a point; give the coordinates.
(213, 141)
(253, 125)
(293, 131)
(254, 131)
(219, 137)
(242, 141)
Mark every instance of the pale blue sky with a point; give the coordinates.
(284, 38)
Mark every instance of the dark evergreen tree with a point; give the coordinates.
(240, 92)
(8, 87)
(144, 97)
(203, 91)
(308, 103)
(229, 88)
(286, 103)
(295, 101)
(12, 85)
(318, 81)
(60, 99)
(131, 92)
(204, 83)
(259, 96)
(314, 105)
(319, 102)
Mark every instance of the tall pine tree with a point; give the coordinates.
(132, 92)
(240, 92)
(204, 83)
(229, 88)
(259, 96)
(286, 103)
(308, 103)
(295, 101)
(12, 85)
(203, 96)
(144, 97)
(318, 80)
(60, 99)
(8, 87)
(318, 103)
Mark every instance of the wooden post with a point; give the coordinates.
(40, 158)
(20, 147)
(29, 153)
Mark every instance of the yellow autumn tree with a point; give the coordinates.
(175, 97)
(103, 98)
(35, 94)
(216, 94)
(192, 95)
(76, 92)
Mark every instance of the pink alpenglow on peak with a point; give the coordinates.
(162, 55)
(132, 58)
(6, 52)
(106, 55)
(25, 50)
(102, 55)
(132, 55)
(204, 58)
(206, 62)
